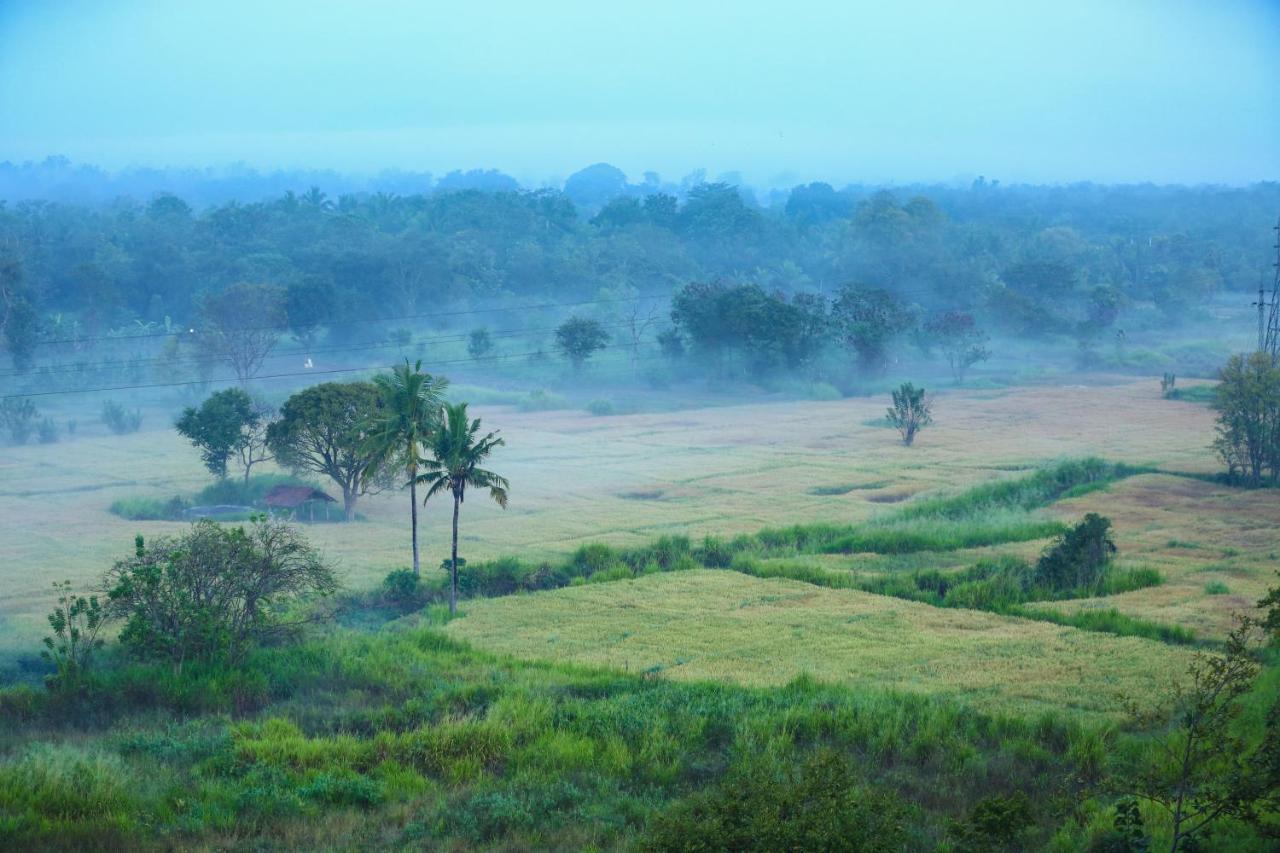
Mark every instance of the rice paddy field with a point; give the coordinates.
(721, 470)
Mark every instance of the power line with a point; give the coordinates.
(328, 372)
(138, 362)
(191, 330)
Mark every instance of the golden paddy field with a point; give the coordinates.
(730, 469)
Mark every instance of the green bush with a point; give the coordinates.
(119, 420)
(819, 807)
(1079, 557)
(1216, 588)
(542, 401)
(600, 407)
(150, 509)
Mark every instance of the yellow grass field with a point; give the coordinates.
(710, 624)
(723, 470)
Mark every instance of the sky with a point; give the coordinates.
(897, 92)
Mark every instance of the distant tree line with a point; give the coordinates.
(1024, 260)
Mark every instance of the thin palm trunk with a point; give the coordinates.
(413, 515)
(453, 572)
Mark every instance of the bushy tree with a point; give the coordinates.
(324, 429)
(911, 411)
(867, 321)
(227, 423)
(19, 322)
(120, 420)
(479, 344)
(1079, 557)
(578, 338)
(1248, 402)
(214, 591)
(963, 344)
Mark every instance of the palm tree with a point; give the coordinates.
(406, 418)
(457, 455)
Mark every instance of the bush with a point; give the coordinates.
(819, 807)
(150, 509)
(543, 401)
(17, 415)
(403, 589)
(1079, 557)
(47, 431)
(209, 594)
(600, 407)
(119, 420)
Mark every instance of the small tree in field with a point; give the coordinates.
(960, 339)
(579, 338)
(227, 424)
(1079, 557)
(241, 325)
(479, 344)
(911, 411)
(1248, 402)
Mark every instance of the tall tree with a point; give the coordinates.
(406, 417)
(457, 454)
(578, 338)
(324, 429)
(241, 325)
(1248, 402)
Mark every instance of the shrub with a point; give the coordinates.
(600, 407)
(17, 416)
(76, 622)
(1216, 588)
(1079, 557)
(209, 594)
(911, 411)
(119, 420)
(150, 509)
(818, 807)
(995, 823)
(402, 588)
(542, 401)
(47, 431)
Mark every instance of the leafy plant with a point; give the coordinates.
(119, 420)
(911, 411)
(1079, 557)
(76, 623)
(17, 415)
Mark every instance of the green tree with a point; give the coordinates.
(868, 321)
(960, 339)
(212, 592)
(457, 453)
(479, 344)
(324, 429)
(1248, 402)
(18, 417)
(19, 322)
(1079, 557)
(578, 338)
(405, 418)
(911, 411)
(227, 423)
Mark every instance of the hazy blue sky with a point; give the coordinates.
(1023, 90)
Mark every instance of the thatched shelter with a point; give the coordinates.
(293, 498)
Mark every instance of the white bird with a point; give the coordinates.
(307, 364)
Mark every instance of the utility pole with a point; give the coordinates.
(1270, 340)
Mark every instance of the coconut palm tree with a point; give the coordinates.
(457, 453)
(406, 418)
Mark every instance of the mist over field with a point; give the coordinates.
(653, 427)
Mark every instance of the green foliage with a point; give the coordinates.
(818, 806)
(600, 407)
(219, 427)
(47, 431)
(1216, 588)
(323, 429)
(150, 509)
(17, 417)
(479, 344)
(1080, 556)
(1128, 834)
(963, 344)
(995, 823)
(540, 400)
(578, 338)
(209, 594)
(1247, 399)
(911, 411)
(76, 623)
(119, 420)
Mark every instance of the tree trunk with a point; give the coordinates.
(453, 572)
(349, 502)
(413, 516)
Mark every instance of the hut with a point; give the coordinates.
(294, 498)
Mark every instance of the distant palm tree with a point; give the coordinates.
(406, 419)
(457, 454)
